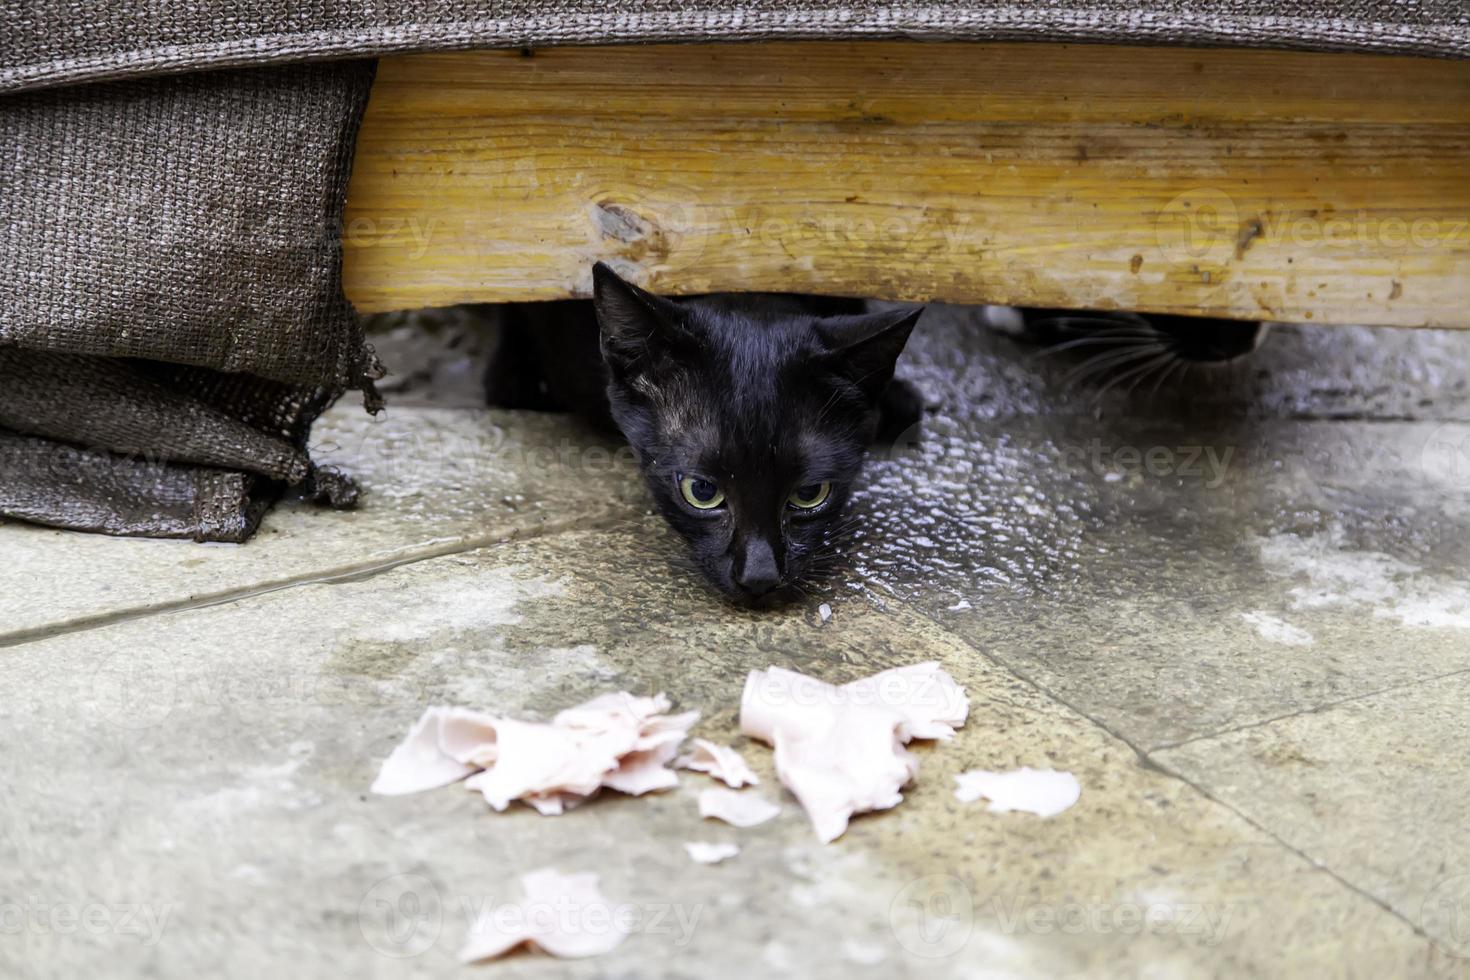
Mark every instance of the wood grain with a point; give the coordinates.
(1251, 184)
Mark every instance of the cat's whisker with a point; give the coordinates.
(1165, 374)
(1097, 366)
(1120, 330)
(1111, 355)
(1158, 365)
(827, 406)
(1108, 376)
(1111, 341)
(1133, 371)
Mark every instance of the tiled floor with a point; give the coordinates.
(1238, 610)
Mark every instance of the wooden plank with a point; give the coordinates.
(1321, 187)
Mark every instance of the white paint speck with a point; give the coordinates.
(778, 957)
(703, 852)
(1275, 630)
(1331, 576)
(805, 896)
(863, 954)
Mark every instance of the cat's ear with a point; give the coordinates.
(865, 348)
(633, 322)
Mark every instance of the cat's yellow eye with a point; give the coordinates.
(701, 494)
(810, 497)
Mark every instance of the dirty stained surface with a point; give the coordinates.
(1237, 608)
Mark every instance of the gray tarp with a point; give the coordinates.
(171, 317)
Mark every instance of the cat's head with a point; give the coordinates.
(749, 423)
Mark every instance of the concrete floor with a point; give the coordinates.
(1237, 609)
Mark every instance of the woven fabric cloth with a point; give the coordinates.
(171, 310)
(122, 446)
(189, 219)
(51, 41)
(90, 490)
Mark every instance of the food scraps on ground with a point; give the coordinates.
(707, 853)
(736, 809)
(840, 750)
(1044, 792)
(563, 914)
(720, 761)
(616, 741)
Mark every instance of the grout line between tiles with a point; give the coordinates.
(1312, 710)
(346, 573)
(1147, 760)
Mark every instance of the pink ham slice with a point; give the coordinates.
(616, 741)
(840, 750)
(736, 809)
(565, 915)
(720, 761)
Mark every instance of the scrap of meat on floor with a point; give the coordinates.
(1044, 792)
(719, 761)
(565, 915)
(736, 809)
(841, 750)
(703, 852)
(616, 741)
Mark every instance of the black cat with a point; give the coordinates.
(1133, 349)
(749, 414)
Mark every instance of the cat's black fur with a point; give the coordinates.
(756, 395)
(1191, 339)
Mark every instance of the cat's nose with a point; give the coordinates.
(757, 573)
